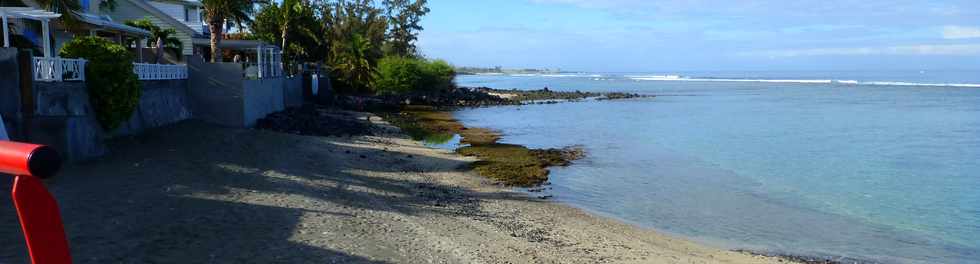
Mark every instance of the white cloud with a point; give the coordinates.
(959, 32)
(925, 49)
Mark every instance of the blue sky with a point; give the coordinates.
(648, 35)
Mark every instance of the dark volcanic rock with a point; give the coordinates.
(471, 97)
(315, 120)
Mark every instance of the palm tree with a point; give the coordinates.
(289, 7)
(164, 38)
(353, 64)
(219, 11)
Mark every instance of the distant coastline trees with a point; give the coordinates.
(351, 37)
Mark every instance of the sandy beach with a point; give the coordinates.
(196, 193)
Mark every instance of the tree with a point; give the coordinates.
(286, 12)
(404, 17)
(352, 64)
(298, 29)
(217, 12)
(356, 30)
(163, 38)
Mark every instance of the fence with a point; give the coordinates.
(58, 69)
(149, 71)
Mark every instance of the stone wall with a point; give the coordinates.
(162, 103)
(64, 119)
(10, 86)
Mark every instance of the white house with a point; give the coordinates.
(184, 16)
(38, 28)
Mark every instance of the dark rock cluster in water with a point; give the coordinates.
(472, 97)
(620, 96)
(315, 120)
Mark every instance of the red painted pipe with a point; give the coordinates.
(36, 208)
(28, 159)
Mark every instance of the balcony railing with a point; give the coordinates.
(58, 69)
(62, 69)
(149, 71)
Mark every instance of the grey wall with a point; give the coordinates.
(216, 91)
(293, 91)
(64, 119)
(262, 97)
(9, 85)
(219, 94)
(163, 102)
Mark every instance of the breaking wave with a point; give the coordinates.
(805, 81)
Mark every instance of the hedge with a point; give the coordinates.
(114, 91)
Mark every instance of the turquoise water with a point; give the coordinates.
(874, 166)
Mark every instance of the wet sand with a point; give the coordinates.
(195, 193)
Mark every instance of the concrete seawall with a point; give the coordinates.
(59, 113)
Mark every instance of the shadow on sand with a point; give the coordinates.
(194, 193)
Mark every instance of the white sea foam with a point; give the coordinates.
(680, 78)
(804, 81)
(656, 77)
(885, 83)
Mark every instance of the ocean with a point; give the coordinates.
(877, 166)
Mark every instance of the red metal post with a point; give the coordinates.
(37, 210)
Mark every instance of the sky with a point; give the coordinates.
(705, 35)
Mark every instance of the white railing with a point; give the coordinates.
(149, 71)
(58, 69)
(262, 71)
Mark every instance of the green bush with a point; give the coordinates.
(397, 75)
(114, 91)
(438, 75)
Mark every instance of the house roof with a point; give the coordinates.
(98, 21)
(164, 17)
(236, 44)
(28, 12)
(185, 2)
(106, 23)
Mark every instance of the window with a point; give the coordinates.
(188, 14)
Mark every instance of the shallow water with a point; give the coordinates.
(879, 172)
